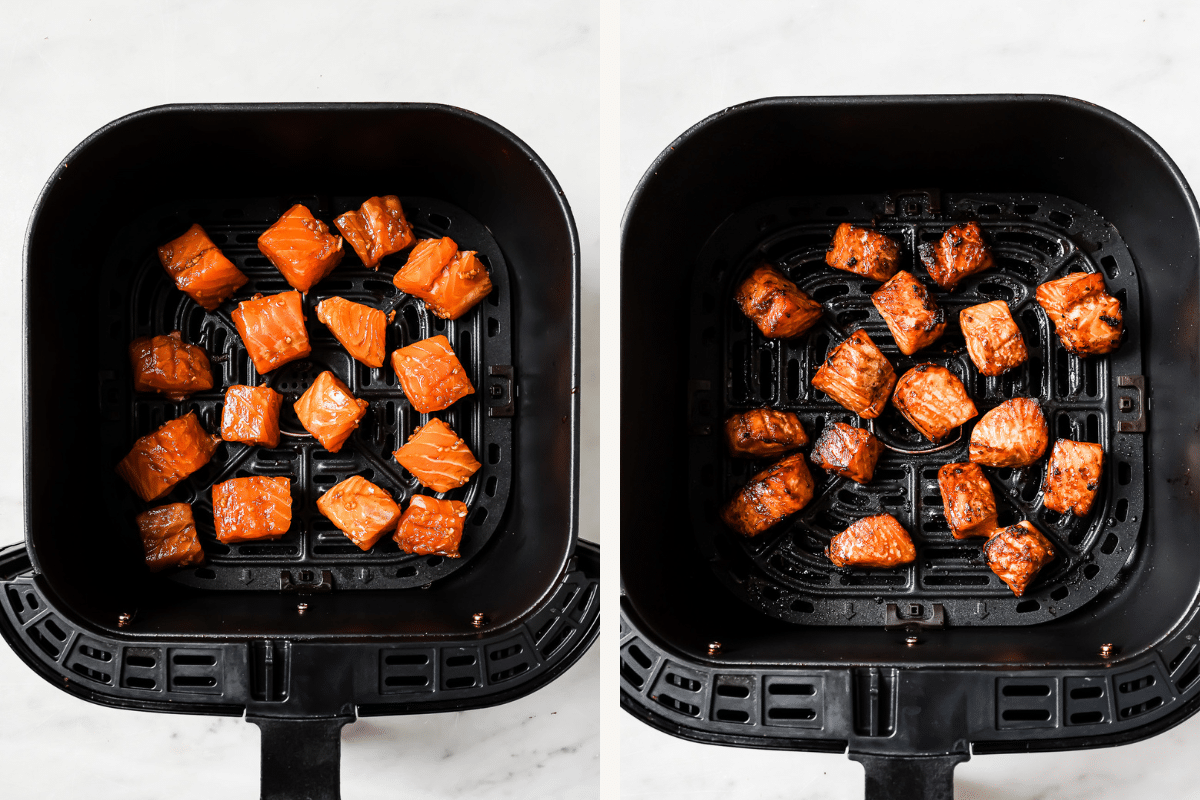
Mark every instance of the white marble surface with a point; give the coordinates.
(1137, 59)
(66, 69)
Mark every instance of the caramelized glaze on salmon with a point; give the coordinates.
(377, 229)
(272, 328)
(162, 459)
(301, 247)
(431, 375)
(462, 284)
(360, 509)
(770, 496)
(248, 509)
(1073, 477)
(329, 412)
(169, 537)
(879, 541)
(169, 366)
(200, 269)
(1013, 434)
(848, 451)
(959, 254)
(425, 263)
(911, 313)
(864, 252)
(360, 329)
(437, 457)
(857, 375)
(251, 415)
(775, 304)
(934, 400)
(432, 527)
(1017, 553)
(968, 502)
(993, 340)
(763, 432)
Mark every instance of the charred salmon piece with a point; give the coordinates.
(248, 509)
(169, 537)
(301, 247)
(437, 457)
(764, 432)
(864, 252)
(967, 500)
(329, 412)
(771, 495)
(361, 510)
(425, 264)
(879, 541)
(857, 376)
(169, 366)
(431, 375)
(162, 459)
(462, 284)
(200, 269)
(848, 451)
(251, 415)
(775, 304)
(959, 254)
(934, 400)
(911, 313)
(1086, 317)
(377, 229)
(432, 527)
(994, 342)
(360, 329)
(1017, 553)
(272, 328)
(1073, 477)
(1013, 434)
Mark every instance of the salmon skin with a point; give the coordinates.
(450, 281)
(329, 412)
(272, 328)
(879, 542)
(864, 252)
(1013, 434)
(432, 527)
(437, 457)
(249, 509)
(251, 415)
(162, 459)
(431, 375)
(301, 248)
(377, 229)
(200, 269)
(775, 304)
(360, 329)
(169, 537)
(425, 263)
(968, 502)
(361, 510)
(169, 366)
(959, 254)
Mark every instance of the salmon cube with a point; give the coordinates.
(329, 412)
(377, 229)
(425, 264)
(169, 366)
(1073, 477)
(1013, 434)
(301, 247)
(770, 497)
(250, 509)
(251, 415)
(763, 432)
(272, 328)
(967, 500)
(432, 527)
(1086, 317)
(361, 510)
(359, 328)
(1017, 553)
(934, 400)
(879, 542)
(431, 375)
(857, 375)
(776, 305)
(911, 313)
(994, 342)
(959, 254)
(437, 457)
(162, 459)
(462, 284)
(864, 252)
(169, 537)
(848, 451)
(201, 270)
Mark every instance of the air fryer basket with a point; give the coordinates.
(810, 658)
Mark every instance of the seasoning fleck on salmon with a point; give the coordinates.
(329, 412)
(200, 269)
(251, 415)
(431, 375)
(169, 366)
(169, 537)
(361, 510)
(360, 329)
(857, 375)
(272, 328)
(437, 457)
(450, 281)
(432, 527)
(775, 304)
(301, 248)
(377, 229)
(864, 252)
(879, 541)
(250, 509)
(770, 496)
(162, 459)
(959, 254)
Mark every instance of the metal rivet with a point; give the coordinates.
(714, 648)
(301, 607)
(124, 619)
(478, 619)
(911, 641)
(1106, 650)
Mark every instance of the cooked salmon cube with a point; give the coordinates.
(864, 252)
(770, 496)
(959, 254)
(1073, 477)
(1017, 553)
(162, 459)
(431, 375)
(462, 284)
(424, 266)
(848, 451)
(432, 527)
(361, 510)
(934, 400)
(359, 328)
(200, 269)
(377, 229)
(967, 500)
(169, 537)
(249, 509)
(1013, 434)
(857, 376)
(251, 415)
(911, 313)
(775, 304)
(301, 247)
(169, 366)
(1086, 317)
(763, 432)
(437, 457)
(272, 328)
(879, 541)
(994, 342)
(329, 412)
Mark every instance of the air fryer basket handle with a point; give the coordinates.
(301, 758)
(909, 777)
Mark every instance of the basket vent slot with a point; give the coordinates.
(679, 689)
(1087, 701)
(195, 671)
(508, 660)
(91, 659)
(1026, 703)
(1139, 692)
(461, 668)
(142, 668)
(796, 701)
(402, 671)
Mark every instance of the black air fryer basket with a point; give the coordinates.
(304, 633)
(762, 643)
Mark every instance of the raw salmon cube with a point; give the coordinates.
(169, 366)
(360, 329)
(432, 527)
(993, 340)
(1017, 553)
(1073, 477)
(967, 500)
(272, 328)
(1013, 434)
(763, 432)
(848, 451)
(879, 541)
(776, 305)
(251, 415)
(864, 252)
(934, 400)
(431, 375)
(462, 284)
(200, 269)
(248, 509)
(425, 264)
(437, 457)
(911, 313)
(169, 537)
(162, 459)
(329, 412)
(770, 496)
(301, 247)
(857, 375)
(959, 254)
(361, 510)
(377, 229)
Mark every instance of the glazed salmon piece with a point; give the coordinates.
(1017, 553)
(361, 510)
(359, 328)
(857, 375)
(1086, 317)
(425, 263)
(251, 415)
(848, 451)
(763, 432)
(879, 541)
(967, 500)
(162, 459)
(329, 412)
(864, 252)
(169, 537)
(169, 366)
(959, 254)
(301, 247)
(911, 313)
(249, 509)
(993, 340)
(272, 328)
(462, 284)
(431, 375)
(377, 229)
(432, 527)
(770, 496)
(437, 457)
(775, 304)
(200, 269)
(1013, 434)
(934, 400)
(1073, 477)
